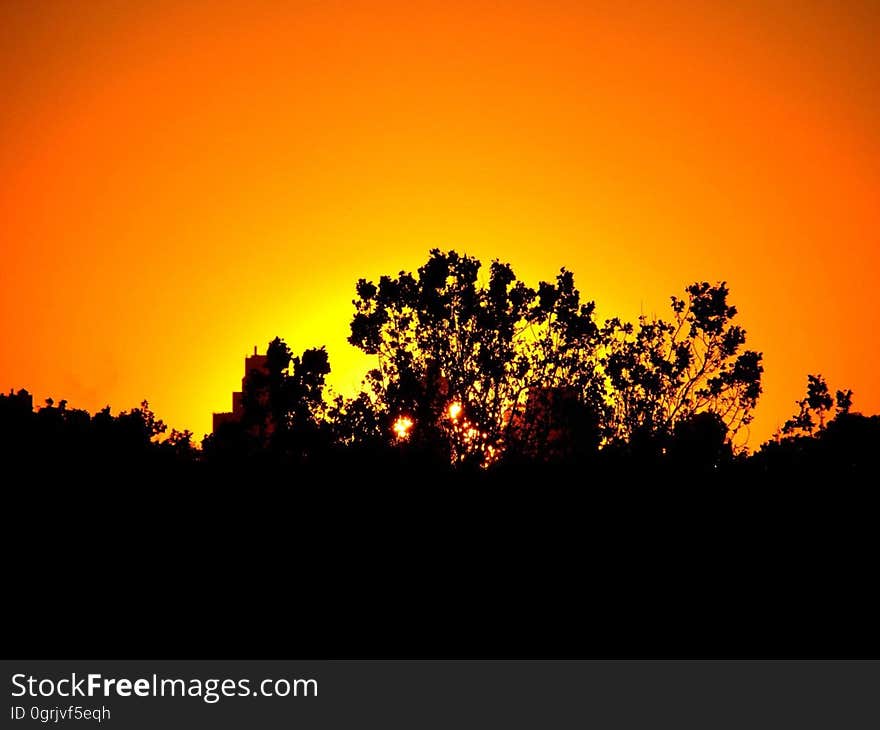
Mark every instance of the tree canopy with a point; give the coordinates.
(485, 367)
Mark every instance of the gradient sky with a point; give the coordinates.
(180, 181)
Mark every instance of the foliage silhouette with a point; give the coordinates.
(441, 338)
(59, 438)
(813, 409)
(501, 352)
(664, 373)
(813, 447)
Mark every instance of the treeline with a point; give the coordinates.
(486, 376)
(59, 437)
(55, 436)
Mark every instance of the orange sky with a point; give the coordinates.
(180, 181)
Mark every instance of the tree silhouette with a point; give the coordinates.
(664, 372)
(561, 400)
(444, 341)
(358, 422)
(485, 370)
(811, 445)
(814, 407)
(462, 359)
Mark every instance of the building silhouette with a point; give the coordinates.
(255, 364)
(16, 405)
(552, 425)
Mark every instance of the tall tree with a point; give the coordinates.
(446, 351)
(459, 358)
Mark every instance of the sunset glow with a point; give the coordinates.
(181, 181)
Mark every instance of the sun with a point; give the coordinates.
(402, 427)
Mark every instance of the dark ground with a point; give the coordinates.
(539, 564)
